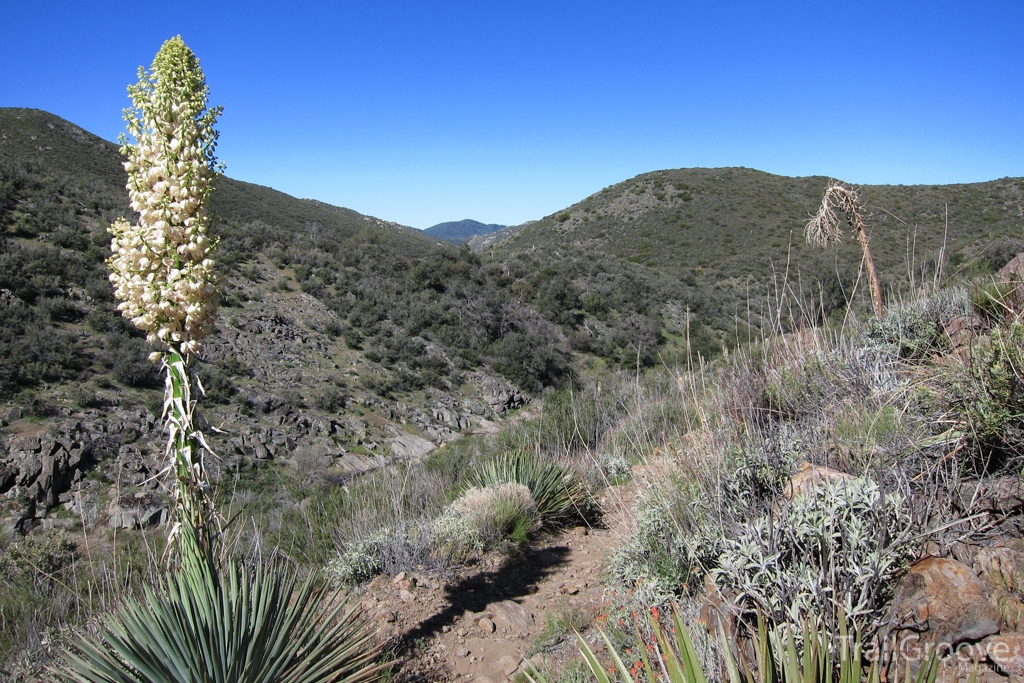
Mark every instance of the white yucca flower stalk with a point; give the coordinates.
(161, 267)
(162, 272)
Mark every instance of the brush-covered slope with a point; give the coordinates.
(460, 232)
(711, 250)
(38, 147)
(728, 223)
(339, 334)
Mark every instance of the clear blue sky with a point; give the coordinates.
(422, 112)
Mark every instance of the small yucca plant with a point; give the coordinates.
(559, 493)
(242, 627)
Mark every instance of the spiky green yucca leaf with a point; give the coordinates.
(244, 628)
(780, 660)
(559, 493)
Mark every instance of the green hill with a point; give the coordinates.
(418, 312)
(722, 243)
(729, 222)
(650, 270)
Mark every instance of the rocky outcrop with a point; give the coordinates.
(500, 395)
(410, 447)
(38, 468)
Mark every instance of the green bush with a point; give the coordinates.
(985, 394)
(841, 544)
(501, 512)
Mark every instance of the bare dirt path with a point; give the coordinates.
(478, 623)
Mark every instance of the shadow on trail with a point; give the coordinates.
(513, 579)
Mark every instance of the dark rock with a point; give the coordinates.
(26, 443)
(8, 476)
(1003, 495)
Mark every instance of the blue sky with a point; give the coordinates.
(422, 112)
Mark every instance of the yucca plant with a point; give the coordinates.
(782, 657)
(161, 266)
(239, 627)
(559, 492)
(206, 621)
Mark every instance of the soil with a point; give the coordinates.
(477, 624)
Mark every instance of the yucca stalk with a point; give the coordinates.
(823, 229)
(161, 268)
(193, 504)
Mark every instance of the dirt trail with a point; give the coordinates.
(477, 624)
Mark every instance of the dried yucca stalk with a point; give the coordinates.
(823, 229)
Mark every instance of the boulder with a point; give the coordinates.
(1001, 495)
(1001, 569)
(809, 477)
(944, 603)
(511, 618)
(1014, 270)
(409, 446)
(1006, 651)
(500, 395)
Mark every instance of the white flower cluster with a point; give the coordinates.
(161, 269)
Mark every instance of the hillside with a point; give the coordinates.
(460, 232)
(712, 250)
(343, 339)
(727, 223)
(367, 390)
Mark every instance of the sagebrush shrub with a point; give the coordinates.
(840, 544)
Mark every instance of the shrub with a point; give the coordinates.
(560, 495)
(38, 560)
(985, 393)
(456, 538)
(915, 330)
(841, 544)
(504, 511)
(401, 547)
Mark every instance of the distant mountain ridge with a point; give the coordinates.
(460, 232)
